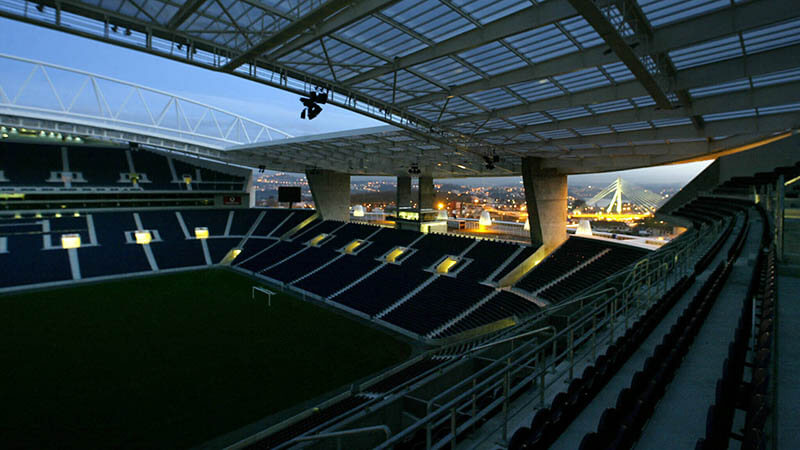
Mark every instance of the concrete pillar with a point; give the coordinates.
(546, 197)
(403, 191)
(426, 192)
(331, 192)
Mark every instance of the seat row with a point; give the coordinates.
(621, 426)
(548, 423)
(732, 392)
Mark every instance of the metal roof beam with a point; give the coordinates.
(761, 124)
(183, 14)
(356, 12)
(291, 31)
(652, 155)
(623, 50)
(773, 95)
(683, 34)
(692, 78)
(518, 22)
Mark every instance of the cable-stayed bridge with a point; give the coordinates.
(620, 189)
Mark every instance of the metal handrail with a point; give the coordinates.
(385, 429)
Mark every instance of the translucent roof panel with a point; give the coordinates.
(495, 99)
(533, 118)
(780, 109)
(433, 20)
(543, 43)
(485, 11)
(616, 105)
(580, 30)
(381, 37)
(729, 115)
(662, 12)
(732, 86)
(569, 113)
(618, 72)
(493, 58)
(582, 80)
(448, 71)
(590, 131)
(707, 52)
(780, 35)
(784, 76)
(537, 90)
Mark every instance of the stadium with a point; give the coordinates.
(148, 301)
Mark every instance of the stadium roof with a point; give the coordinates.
(591, 85)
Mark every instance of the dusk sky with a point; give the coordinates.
(268, 105)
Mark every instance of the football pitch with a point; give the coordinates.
(169, 361)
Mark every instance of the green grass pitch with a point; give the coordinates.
(168, 361)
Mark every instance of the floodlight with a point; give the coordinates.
(358, 211)
(201, 232)
(70, 241)
(311, 104)
(143, 237)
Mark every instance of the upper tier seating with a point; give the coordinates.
(42, 165)
(28, 165)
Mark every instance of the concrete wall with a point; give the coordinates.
(785, 152)
(331, 192)
(546, 196)
(426, 192)
(404, 191)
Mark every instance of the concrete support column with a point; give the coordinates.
(546, 198)
(403, 191)
(426, 192)
(331, 192)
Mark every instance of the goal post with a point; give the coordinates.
(268, 293)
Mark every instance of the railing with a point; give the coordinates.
(605, 310)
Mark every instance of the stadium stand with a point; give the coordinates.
(113, 254)
(88, 167)
(27, 262)
(29, 165)
(336, 277)
(486, 256)
(436, 304)
(501, 306)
